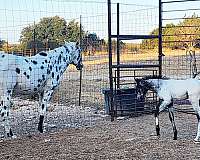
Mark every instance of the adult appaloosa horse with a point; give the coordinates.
(39, 74)
(167, 90)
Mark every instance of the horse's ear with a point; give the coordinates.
(65, 41)
(137, 80)
(77, 43)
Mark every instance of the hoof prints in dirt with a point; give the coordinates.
(25, 117)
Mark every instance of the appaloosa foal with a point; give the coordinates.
(167, 90)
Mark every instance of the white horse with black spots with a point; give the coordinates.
(167, 90)
(39, 74)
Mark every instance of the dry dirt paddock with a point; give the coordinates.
(131, 138)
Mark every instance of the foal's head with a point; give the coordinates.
(75, 51)
(142, 86)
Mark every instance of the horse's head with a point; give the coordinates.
(75, 54)
(141, 88)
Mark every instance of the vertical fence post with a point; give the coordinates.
(160, 39)
(118, 49)
(80, 43)
(7, 48)
(110, 61)
(34, 43)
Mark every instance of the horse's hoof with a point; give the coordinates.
(11, 137)
(175, 137)
(14, 136)
(40, 130)
(158, 136)
(196, 140)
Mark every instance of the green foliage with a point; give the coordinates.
(184, 33)
(50, 32)
(73, 31)
(92, 43)
(2, 42)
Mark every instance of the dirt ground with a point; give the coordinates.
(129, 138)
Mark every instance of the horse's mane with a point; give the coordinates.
(154, 77)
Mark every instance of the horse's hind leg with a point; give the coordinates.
(198, 118)
(5, 112)
(196, 106)
(198, 130)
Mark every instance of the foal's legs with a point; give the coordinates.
(157, 118)
(198, 130)
(171, 117)
(159, 108)
(196, 106)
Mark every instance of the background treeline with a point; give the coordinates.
(51, 32)
(186, 33)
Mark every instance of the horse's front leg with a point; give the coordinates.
(43, 107)
(171, 117)
(5, 114)
(157, 119)
(159, 108)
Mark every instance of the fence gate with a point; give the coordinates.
(122, 71)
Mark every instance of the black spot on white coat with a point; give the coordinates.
(18, 70)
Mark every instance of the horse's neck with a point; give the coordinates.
(154, 84)
(60, 58)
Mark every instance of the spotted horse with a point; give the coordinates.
(39, 74)
(167, 91)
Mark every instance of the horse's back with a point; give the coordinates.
(191, 86)
(8, 65)
(7, 61)
(179, 88)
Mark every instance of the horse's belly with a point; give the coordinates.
(181, 96)
(28, 86)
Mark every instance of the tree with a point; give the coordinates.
(73, 31)
(2, 42)
(185, 33)
(51, 32)
(92, 43)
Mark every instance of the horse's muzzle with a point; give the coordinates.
(140, 96)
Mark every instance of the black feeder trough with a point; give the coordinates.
(125, 101)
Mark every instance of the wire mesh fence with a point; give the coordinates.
(43, 26)
(28, 27)
(180, 38)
